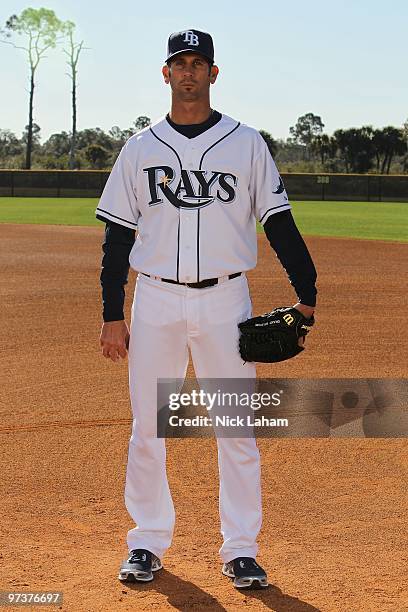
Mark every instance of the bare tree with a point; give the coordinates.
(73, 52)
(41, 28)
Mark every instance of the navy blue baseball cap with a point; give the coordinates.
(192, 41)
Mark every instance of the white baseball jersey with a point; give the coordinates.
(195, 201)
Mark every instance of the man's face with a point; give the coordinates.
(190, 76)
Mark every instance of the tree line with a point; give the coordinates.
(354, 150)
(358, 150)
(308, 149)
(94, 148)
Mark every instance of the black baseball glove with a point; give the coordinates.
(273, 336)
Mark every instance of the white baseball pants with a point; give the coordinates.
(168, 319)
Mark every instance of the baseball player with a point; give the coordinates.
(193, 186)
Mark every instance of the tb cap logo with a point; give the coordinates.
(191, 39)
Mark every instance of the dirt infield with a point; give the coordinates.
(334, 534)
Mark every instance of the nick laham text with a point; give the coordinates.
(226, 421)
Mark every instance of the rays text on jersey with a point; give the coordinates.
(195, 188)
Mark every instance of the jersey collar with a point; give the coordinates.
(166, 132)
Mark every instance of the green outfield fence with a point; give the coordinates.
(300, 186)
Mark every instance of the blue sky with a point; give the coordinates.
(345, 61)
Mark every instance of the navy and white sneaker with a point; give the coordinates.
(246, 573)
(139, 566)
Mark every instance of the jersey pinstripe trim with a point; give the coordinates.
(217, 142)
(170, 147)
(178, 248)
(178, 229)
(198, 245)
(131, 224)
(198, 212)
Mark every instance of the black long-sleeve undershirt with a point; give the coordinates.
(115, 269)
(280, 229)
(292, 252)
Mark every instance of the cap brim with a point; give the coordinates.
(189, 50)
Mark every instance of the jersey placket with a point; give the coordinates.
(189, 227)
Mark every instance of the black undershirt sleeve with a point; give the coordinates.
(292, 252)
(116, 247)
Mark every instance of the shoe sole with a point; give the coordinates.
(129, 575)
(247, 582)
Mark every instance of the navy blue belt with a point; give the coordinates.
(208, 282)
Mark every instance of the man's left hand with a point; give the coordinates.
(307, 311)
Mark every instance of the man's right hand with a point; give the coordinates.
(114, 339)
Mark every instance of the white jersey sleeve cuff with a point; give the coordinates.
(272, 211)
(100, 212)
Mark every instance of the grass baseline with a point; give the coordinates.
(369, 220)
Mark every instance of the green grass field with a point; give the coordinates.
(370, 220)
